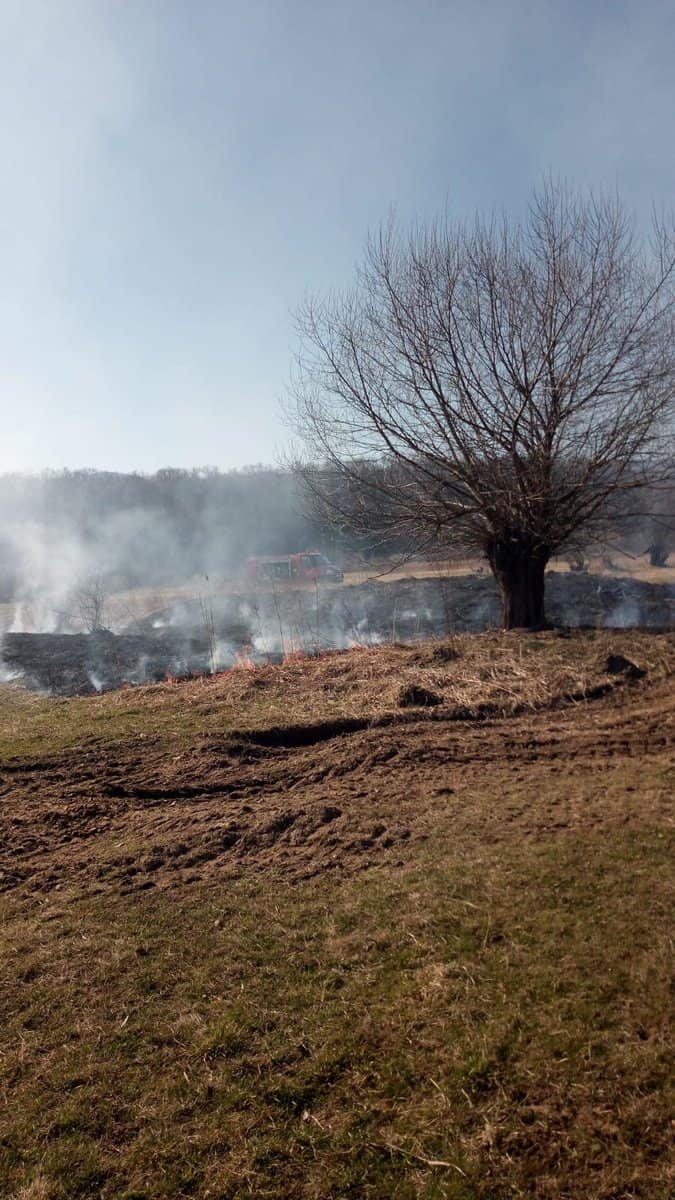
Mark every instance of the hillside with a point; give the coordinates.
(393, 922)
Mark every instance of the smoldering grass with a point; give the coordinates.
(493, 673)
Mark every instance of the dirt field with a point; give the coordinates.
(282, 934)
(347, 785)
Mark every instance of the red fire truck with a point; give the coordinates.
(305, 567)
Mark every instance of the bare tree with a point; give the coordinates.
(492, 387)
(91, 597)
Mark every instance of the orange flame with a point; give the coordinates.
(243, 660)
(293, 656)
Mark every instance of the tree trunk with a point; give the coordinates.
(519, 570)
(658, 554)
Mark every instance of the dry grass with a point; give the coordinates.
(622, 564)
(488, 1022)
(483, 1014)
(502, 673)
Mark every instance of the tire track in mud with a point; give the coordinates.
(323, 796)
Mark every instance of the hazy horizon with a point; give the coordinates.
(178, 176)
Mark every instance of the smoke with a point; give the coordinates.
(624, 615)
(52, 564)
(8, 674)
(90, 551)
(46, 572)
(60, 533)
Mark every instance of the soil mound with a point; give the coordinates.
(617, 664)
(414, 695)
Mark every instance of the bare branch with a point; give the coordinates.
(495, 386)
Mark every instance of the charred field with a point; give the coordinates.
(204, 633)
(388, 922)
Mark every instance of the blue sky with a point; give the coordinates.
(176, 174)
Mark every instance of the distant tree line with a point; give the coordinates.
(61, 529)
(134, 530)
(139, 529)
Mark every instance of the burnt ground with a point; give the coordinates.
(82, 664)
(177, 641)
(333, 795)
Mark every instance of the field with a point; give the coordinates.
(394, 922)
(126, 608)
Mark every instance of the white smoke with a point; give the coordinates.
(47, 573)
(95, 681)
(625, 615)
(8, 674)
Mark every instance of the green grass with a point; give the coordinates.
(492, 1025)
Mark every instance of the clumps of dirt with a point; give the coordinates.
(617, 664)
(414, 695)
(435, 655)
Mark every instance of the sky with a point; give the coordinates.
(178, 174)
